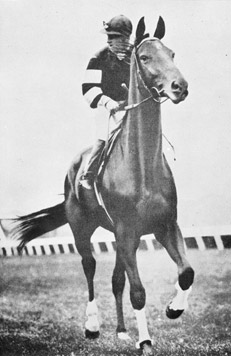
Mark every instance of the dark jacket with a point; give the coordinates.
(104, 75)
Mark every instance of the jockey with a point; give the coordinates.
(106, 87)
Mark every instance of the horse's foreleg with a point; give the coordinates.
(171, 238)
(127, 244)
(118, 283)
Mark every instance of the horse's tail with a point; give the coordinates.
(28, 227)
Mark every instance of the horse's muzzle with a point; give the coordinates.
(179, 90)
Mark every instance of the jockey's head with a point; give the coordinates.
(118, 30)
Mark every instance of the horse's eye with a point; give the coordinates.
(143, 58)
(173, 55)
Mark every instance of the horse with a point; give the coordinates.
(137, 188)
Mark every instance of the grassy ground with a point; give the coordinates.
(43, 301)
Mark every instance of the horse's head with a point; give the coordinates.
(156, 64)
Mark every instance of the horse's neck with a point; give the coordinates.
(143, 130)
(142, 136)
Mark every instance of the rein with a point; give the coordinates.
(133, 106)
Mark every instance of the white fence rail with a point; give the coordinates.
(202, 238)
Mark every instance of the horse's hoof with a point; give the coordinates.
(146, 347)
(123, 336)
(91, 334)
(173, 314)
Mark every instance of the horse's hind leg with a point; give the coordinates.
(83, 229)
(118, 283)
(170, 237)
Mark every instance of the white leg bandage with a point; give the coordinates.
(180, 301)
(92, 323)
(142, 326)
(123, 336)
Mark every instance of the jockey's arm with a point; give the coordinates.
(93, 93)
(92, 87)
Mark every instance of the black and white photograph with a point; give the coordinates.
(115, 178)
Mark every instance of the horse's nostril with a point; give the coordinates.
(176, 86)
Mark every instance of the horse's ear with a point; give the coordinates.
(160, 29)
(140, 31)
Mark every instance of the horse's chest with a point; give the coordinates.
(158, 205)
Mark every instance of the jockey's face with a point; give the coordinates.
(117, 43)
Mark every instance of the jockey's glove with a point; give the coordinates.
(111, 105)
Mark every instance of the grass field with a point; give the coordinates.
(43, 301)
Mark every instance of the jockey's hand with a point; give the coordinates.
(111, 105)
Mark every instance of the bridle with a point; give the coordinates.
(155, 93)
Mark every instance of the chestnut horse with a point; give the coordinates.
(137, 188)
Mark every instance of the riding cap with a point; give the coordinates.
(118, 25)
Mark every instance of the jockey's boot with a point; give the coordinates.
(90, 171)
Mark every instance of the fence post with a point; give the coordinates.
(200, 243)
(219, 242)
